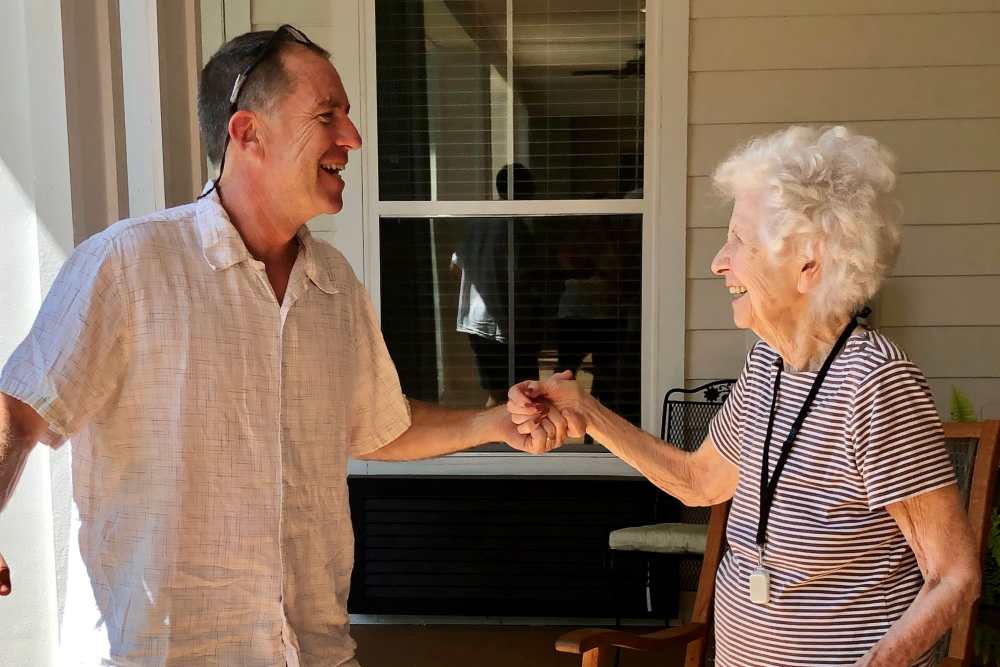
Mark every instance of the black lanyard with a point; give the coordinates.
(767, 488)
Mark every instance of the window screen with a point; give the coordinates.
(466, 87)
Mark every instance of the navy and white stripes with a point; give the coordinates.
(841, 570)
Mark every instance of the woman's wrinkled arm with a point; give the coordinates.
(700, 478)
(937, 529)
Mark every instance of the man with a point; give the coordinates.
(216, 366)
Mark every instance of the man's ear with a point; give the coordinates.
(244, 132)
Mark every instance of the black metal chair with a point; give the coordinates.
(678, 533)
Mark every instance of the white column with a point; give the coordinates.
(37, 230)
(141, 88)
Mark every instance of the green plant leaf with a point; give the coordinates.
(962, 409)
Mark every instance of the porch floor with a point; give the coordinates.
(478, 646)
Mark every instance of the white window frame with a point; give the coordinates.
(664, 234)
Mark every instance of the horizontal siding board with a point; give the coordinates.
(297, 12)
(844, 41)
(796, 96)
(942, 352)
(717, 354)
(702, 245)
(983, 392)
(708, 305)
(952, 198)
(920, 145)
(706, 207)
(940, 301)
(729, 8)
(950, 250)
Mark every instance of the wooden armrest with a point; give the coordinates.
(950, 662)
(587, 639)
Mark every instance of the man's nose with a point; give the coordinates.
(350, 137)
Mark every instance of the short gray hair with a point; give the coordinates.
(824, 187)
(266, 86)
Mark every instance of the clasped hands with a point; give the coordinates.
(546, 413)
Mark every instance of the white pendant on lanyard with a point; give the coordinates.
(760, 581)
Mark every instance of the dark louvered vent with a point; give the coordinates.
(493, 547)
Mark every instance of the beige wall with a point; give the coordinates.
(923, 76)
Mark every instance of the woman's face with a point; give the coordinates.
(765, 289)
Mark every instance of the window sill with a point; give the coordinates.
(494, 464)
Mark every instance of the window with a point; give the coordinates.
(510, 199)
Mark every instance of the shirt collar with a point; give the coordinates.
(223, 247)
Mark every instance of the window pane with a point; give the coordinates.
(460, 100)
(578, 91)
(472, 305)
(442, 98)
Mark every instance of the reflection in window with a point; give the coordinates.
(462, 92)
(472, 305)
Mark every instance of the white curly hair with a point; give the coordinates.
(825, 190)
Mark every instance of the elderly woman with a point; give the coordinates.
(848, 545)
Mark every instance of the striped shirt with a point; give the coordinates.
(841, 570)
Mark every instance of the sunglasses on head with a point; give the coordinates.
(284, 33)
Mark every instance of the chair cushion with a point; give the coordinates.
(664, 538)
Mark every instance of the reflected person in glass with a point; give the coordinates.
(498, 266)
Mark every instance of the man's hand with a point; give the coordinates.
(4, 577)
(20, 428)
(531, 402)
(542, 433)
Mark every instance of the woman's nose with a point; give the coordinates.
(720, 263)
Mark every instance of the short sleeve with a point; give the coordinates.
(725, 426)
(379, 413)
(73, 358)
(898, 438)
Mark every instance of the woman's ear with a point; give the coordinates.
(809, 275)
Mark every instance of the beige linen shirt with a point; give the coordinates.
(211, 430)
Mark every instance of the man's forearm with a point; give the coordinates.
(17, 439)
(668, 467)
(436, 431)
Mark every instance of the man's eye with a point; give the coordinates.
(326, 117)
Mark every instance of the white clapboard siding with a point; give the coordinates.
(983, 392)
(950, 250)
(708, 304)
(944, 351)
(748, 8)
(920, 145)
(702, 244)
(718, 354)
(923, 77)
(941, 301)
(851, 95)
(300, 13)
(817, 42)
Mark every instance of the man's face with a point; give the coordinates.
(308, 135)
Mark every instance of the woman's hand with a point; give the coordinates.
(560, 399)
